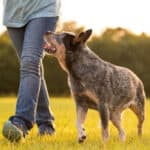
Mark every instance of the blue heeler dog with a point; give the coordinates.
(95, 83)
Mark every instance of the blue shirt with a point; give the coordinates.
(18, 12)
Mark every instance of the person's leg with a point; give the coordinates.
(13, 131)
(10, 131)
(31, 58)
(30, 83)
(44, 114)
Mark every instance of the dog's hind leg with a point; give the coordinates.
(104, 114)
(138, 109)
(81, 114)
(115, 117)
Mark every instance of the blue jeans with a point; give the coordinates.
(32, 103)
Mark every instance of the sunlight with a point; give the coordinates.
(133, 15)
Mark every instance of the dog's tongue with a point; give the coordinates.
(46, 46)
(49, 48)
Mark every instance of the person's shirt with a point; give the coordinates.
(19, 12)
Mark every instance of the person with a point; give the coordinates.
(26, 22)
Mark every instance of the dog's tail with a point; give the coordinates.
(140, 95)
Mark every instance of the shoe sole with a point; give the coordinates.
(11, 132)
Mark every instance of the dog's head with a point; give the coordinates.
(65, 44)
(54, 43)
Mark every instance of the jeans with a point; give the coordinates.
(32, 103)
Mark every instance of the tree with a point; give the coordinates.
(119, 46)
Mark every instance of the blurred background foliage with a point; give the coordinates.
(117, 45)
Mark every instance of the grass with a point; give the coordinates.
(65, 137)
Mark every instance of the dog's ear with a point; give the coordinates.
(83, 36)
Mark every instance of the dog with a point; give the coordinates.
(95, 83)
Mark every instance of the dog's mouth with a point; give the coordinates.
(48, 47)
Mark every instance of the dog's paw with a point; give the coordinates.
(81, 139)
(122, 136)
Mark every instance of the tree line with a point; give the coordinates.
(116, 45)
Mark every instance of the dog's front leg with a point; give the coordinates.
(104, 113)
(81, 114)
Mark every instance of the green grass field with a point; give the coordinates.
(65, 137)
